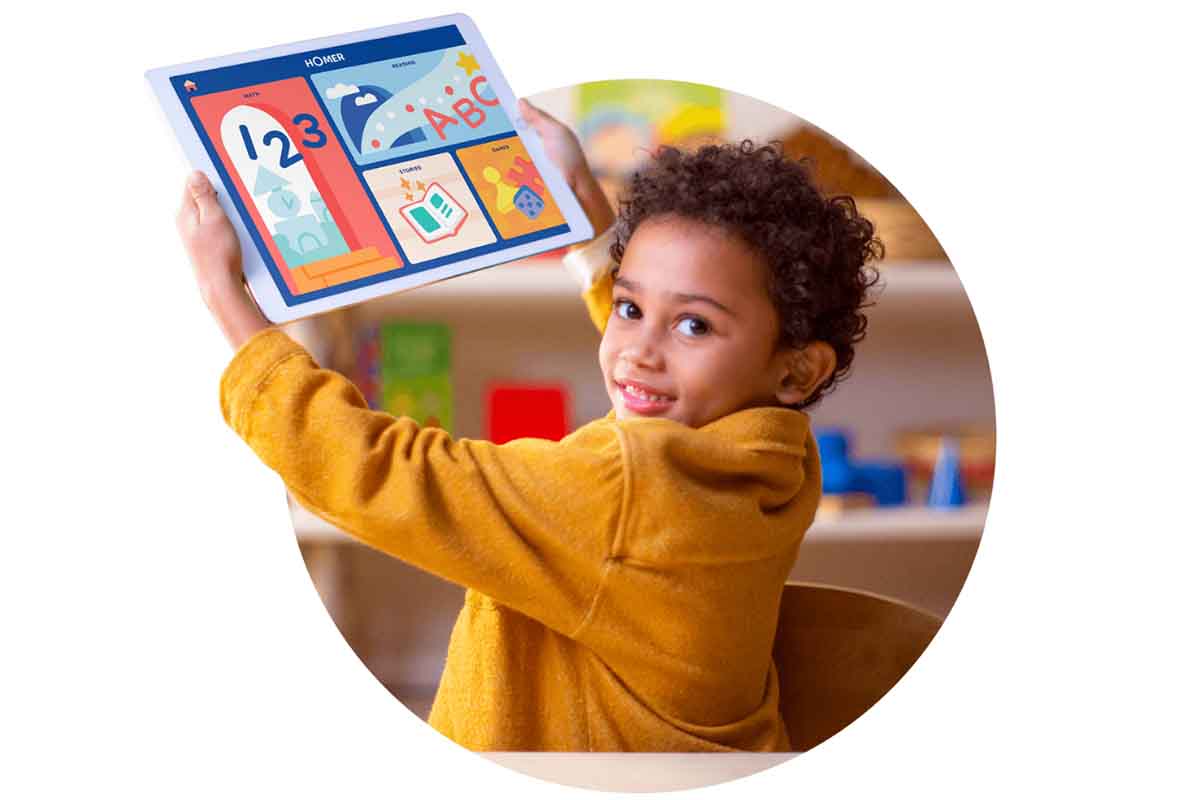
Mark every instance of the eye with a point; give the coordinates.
(626, 310)
(692, 326)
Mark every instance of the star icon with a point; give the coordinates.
(467, 62)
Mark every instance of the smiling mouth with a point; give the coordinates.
(641, 400)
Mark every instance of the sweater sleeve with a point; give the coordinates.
(529, 523)
(592, 267)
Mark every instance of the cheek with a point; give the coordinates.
(607, 348)
(729, 375)
(691, 376)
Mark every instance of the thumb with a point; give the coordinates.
(533, 115)
(528, 110)
(204, 196)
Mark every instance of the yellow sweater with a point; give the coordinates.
(623, 584)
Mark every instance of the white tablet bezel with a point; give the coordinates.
(257, 272)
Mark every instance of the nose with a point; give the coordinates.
(643, 349)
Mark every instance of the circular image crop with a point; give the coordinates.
(709, 508)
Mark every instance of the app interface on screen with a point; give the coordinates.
(358, 163)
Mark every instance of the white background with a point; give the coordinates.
(162, 636)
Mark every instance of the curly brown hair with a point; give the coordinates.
(819, 249)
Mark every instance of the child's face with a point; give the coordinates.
(693, 332)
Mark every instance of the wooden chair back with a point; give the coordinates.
(838, 652)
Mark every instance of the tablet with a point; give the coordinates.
(368, 163)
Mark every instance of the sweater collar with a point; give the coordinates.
(769, 427)
(773, 428)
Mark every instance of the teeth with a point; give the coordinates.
(636, 392)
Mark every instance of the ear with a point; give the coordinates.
(806, 368)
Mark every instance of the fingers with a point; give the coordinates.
(187, 211)
(528, 110)
(203, 197)
(536, 117)
(530, 114)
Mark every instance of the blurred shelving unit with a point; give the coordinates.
(525, 321)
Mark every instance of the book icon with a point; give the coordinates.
(436, 215)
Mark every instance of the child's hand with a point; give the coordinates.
(564, 150)
(212, 245)
(208, 236)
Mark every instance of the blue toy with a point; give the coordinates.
(946, 486)
(885, 481)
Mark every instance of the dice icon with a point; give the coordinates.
(528, 202)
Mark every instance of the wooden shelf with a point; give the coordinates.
(904, 279)
(545, 278)
(901, 523)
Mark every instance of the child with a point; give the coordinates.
(623, 585)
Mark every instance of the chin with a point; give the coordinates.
(625, 413)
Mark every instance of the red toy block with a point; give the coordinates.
(520, 410)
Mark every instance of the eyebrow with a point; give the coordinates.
(682, 297)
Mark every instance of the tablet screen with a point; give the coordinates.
(375, 159)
